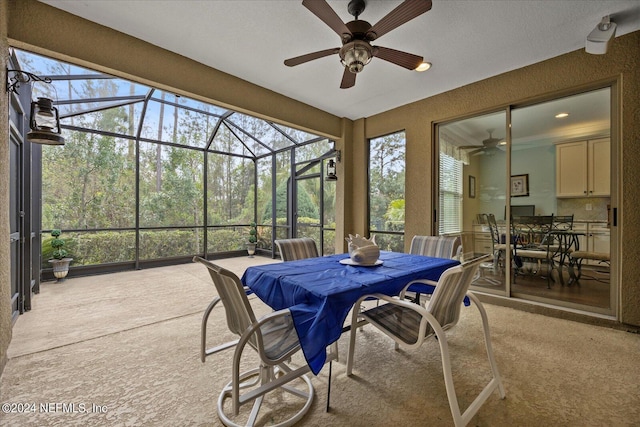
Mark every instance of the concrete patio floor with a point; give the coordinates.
(129, 342)
(82, 308)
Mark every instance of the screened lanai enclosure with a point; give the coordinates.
(148, 177)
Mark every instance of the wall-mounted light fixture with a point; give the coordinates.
(331, 171)
(331, 167)
(599, 39)
(45, 120)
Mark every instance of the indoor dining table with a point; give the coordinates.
(321, 291)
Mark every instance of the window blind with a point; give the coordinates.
(450, 213)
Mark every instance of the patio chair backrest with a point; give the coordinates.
(297, 248)
(232, 294)
(435, 246)
(446, 302)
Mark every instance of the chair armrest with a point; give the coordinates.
(397, 301)
(433, 283)
(419, 281)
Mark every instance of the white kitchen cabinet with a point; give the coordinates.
(599, 238)
(482, 243)
(482, 239)
(583, 168)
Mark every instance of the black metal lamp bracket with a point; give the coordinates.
(20, 77)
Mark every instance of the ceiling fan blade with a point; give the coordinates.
(348, 79)
(322, 10)
(467, 147)
(310, 57)
(403, 59)
(476, 152)
(405, 12)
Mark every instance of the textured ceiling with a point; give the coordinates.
(466, 41)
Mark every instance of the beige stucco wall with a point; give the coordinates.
(557, 75)
(5, 261)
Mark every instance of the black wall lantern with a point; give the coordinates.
(45, 123)
(331, 166)
(331, 171)
(45, 120)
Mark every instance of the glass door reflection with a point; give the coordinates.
(472, 191)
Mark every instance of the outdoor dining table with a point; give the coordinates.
(321, 291)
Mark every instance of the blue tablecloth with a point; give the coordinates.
(321, 291)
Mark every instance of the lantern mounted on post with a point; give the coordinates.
(45, 123)
(45, 120)
(331, 171)
(331, 168)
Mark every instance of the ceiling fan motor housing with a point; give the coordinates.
(356, 52)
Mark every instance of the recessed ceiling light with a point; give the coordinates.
(423, 67)
(562, 115)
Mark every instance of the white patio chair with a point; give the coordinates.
(273, 337)
(410, 325)
(297, 248)
(433, 246)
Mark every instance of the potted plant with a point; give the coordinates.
(253, 239)
(60, 262)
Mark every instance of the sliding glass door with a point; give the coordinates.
(472, 182)
(561, 149)
(552, 158)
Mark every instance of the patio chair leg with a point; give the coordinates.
(329, 386)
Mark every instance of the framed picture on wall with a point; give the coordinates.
(472, 187)
(519, 185)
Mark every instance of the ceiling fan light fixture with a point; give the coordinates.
(355, 55)
(423, 67)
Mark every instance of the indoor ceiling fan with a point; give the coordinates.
(488, 145)
(357, 35)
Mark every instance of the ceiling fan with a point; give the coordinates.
(357, 35)
(488, 145)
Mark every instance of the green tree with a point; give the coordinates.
(306, 206)
(386, 177)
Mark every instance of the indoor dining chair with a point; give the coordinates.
(274, 339)
(410, 325)
(535, 244)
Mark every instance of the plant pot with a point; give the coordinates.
(60, 267)
(251, 249)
